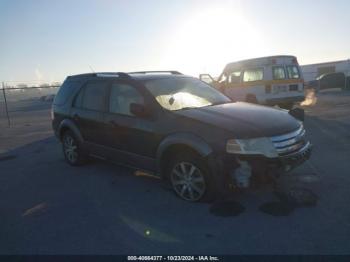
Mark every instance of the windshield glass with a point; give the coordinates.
(293, 72)
(180, 93)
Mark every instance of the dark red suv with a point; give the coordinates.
(176, 127)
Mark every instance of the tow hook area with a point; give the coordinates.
(242, 174)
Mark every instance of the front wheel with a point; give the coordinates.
(190, 178)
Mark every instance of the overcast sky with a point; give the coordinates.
(48, 40)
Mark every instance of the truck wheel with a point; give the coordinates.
(72, 150)
(190, 178)
(250, 98)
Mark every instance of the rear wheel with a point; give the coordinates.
(190, 178)
(72, 150)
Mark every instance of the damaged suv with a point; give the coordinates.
(178, 128)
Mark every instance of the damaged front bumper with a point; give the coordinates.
(280, 164)
(241, 169)
(241, 166)
(290, 161)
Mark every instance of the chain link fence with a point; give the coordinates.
(24, 104)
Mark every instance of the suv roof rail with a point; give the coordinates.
(152, 72)
(112, 74)
(102, 74)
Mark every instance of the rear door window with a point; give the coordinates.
(95, 95)
(293, 72)
(256, 74)
(278, 72)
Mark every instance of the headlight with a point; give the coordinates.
(255, 146)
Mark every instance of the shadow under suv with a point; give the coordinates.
(176, 127)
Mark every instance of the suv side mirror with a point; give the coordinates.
(139, 110)
(297, 113)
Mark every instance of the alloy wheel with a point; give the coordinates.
(70, 148)
(188, 181)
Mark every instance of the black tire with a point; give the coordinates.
(187, 159)
(74, 155)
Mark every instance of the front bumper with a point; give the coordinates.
(261, 165)
(297, 158)
(280, 164)
(224, 166)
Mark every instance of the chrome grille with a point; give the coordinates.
(289, 143)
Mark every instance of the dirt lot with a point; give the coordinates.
(48, 207)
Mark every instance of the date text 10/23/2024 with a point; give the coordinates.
(173, 258)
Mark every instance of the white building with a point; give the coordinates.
(312, 71)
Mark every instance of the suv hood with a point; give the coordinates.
(244, 120)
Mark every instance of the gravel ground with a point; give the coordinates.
(48, 207)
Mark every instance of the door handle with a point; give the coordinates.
(113, 123)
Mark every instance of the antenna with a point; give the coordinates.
(91, 69)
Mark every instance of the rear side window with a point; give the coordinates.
(293, 72)
(78, 101)
(121, 97)
(94, 97)
(253, 75)
(278, 72)
(65, 91)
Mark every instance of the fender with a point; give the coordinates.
(187, 139)
(67, 123)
